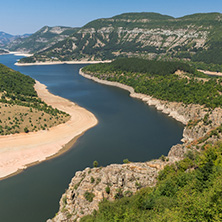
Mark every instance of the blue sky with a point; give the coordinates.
(27, 16)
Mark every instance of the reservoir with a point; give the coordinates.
(127, 128)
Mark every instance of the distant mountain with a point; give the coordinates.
(41, 40)
(6, 38)
(196, 37)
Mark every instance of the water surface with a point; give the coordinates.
(127, 129)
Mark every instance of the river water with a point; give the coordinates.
(127, 129)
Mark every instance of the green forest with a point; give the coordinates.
(158, 79)
(189, 190)
(17, 88)
(21, 110)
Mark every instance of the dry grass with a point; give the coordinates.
(16, 119)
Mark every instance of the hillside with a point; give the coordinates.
(183, 186)
(41, 40)
(148, 35)
(21, 110)
(6, 38)
(170, 81)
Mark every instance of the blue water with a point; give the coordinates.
(127, 129)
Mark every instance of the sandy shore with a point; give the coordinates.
(21, 54)
(19, 150)
(65, 62)
(210, 73)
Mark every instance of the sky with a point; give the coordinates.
(28, 16)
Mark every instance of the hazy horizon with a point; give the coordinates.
(22, 17)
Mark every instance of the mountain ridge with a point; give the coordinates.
(147, 35)
(41, 40)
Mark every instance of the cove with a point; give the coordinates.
(127, 128)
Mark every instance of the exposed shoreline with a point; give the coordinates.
(75, 206)
(18, 151)
(59, 62)
(210, 72)
(20, 54)
(146, 98)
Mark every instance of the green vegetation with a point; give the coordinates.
(89, 196)
(136, 65)
(92, 180)
(157, 79)
(95, 163)
(126, 161)
(189, 190)
(18, 89)
(107, 190)
(21, 109)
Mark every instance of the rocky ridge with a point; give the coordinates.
(108, 182)
(148, 35)
(90, 186)
(41, 40)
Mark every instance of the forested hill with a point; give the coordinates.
(41, 40)
(150, 35)
(160, 80)
(21, 110)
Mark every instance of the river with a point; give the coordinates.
(127, 129)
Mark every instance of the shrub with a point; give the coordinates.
(163, 158)
(126, 161)
(107, 190)
(92, 180)
(26, 130)
(89, 196)
(95, 163)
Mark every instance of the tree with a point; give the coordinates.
(95, 163)
(26, 130)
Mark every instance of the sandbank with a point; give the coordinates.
(63, 62)
(210, 73)
(21, 54)
(17, 151)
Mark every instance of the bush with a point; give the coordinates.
(92, 180)
(26, 130)
(95, 163)
(126, 161)
(107, 190)
(89, 196)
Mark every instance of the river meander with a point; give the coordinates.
(127, 128)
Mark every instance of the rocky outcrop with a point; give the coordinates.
(90, 186)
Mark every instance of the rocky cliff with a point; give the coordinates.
(148, 35)
(90, 186)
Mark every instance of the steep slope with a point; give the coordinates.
(148, 35)
(42, 39)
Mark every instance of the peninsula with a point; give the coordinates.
(24, 148)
